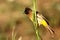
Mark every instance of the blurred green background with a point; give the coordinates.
(12, 15)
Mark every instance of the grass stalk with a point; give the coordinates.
(13, 37)
(35, 20)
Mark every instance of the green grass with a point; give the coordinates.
(35, 20)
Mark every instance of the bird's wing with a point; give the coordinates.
(44, 23)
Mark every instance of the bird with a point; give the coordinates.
(40, 19)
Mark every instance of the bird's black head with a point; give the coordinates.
(27, 10)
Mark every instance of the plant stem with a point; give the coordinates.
(35, 20)
(13, 37)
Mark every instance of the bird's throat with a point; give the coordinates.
(30, 16)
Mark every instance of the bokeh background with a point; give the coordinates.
(14, 21)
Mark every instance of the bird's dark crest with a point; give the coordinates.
(27, 10)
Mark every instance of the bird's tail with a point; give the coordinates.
(51, 31)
